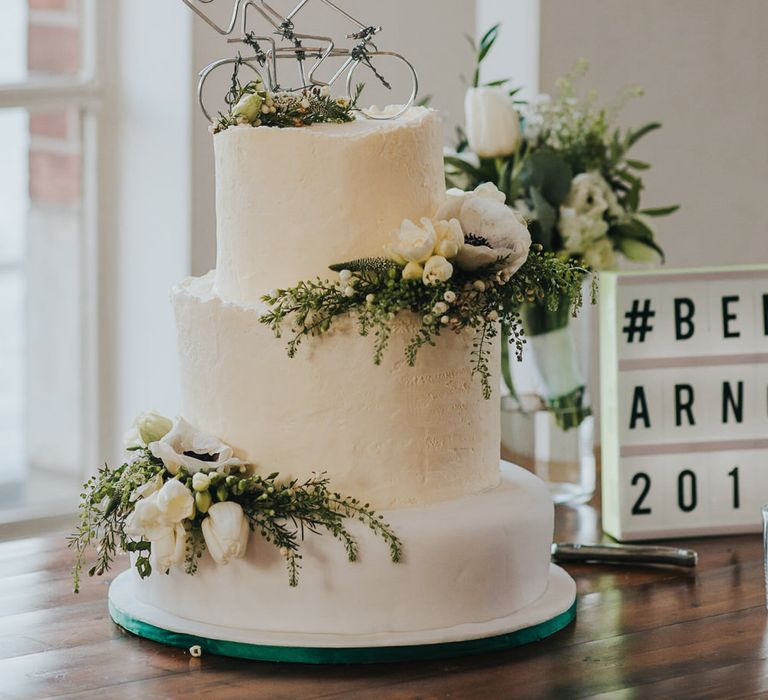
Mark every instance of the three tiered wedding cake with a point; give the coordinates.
(417, 440)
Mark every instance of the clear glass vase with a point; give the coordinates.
(547, 421)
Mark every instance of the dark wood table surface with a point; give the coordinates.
(640, 632)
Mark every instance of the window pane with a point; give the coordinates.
(39, 38)
(40, 316)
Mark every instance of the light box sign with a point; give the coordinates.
(684, 387)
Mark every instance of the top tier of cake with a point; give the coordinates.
(290, 202)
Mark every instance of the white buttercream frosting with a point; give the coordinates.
(290, 202)
(470, 560)
(390, 434)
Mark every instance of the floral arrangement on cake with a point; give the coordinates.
(470, 266)
(183, 492)
(564, 164)
(253, 105)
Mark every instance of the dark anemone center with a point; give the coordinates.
(202, 456)
(472, 239)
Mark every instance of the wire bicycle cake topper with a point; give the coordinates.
(307, 51)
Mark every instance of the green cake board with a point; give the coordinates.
(345, 655)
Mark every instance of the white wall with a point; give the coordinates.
(516, 53)
(703, 64)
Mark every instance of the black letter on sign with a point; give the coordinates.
(729, 316)
(639, 409)
(736, 404)
(681, 405)
(684, 319)
(765, 314)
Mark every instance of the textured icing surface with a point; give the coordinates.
(392, 435)
(470, 560)
(290, 202)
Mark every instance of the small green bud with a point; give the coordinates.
(221, 493)
(203, 501)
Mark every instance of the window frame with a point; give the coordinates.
(86, 93)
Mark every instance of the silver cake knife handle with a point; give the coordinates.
(623, 554)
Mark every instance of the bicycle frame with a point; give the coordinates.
(284, 27)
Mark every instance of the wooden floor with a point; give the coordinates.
(640, 632)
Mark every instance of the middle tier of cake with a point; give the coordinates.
(391, 435)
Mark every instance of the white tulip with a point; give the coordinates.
(492, 123)
(152, 426)
(225, 531)
(184, 446)
(413, 242)
(169, 548)
(175, 502)
(437, 269)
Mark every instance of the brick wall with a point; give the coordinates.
(54, 49)
(53, 251)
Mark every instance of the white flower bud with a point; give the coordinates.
(493, 315)
(370, 298)
(349, 292)
(479, 285)
(345, 275)
(284, 551)
(427, 319)
(440, 308)
(413, 271)
(201, 481)
(445, 320)
(325, 91)
(450, 296)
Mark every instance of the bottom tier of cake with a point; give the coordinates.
(475, 568)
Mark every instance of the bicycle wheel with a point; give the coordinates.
(405, 64)
(206, 73)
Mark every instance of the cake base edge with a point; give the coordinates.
(552, 612)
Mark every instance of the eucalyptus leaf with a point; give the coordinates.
(551, 174)
(661, 211)
(637, 164)
(546, 215)
(634, 136)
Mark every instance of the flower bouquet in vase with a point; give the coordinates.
(564, 164)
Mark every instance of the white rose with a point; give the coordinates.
(492, 123)
(579, 231)
(225, 531)
(169, 548)
(600, 255)
(591, 194)
(184, 446)
(413, 242)
(437, 269)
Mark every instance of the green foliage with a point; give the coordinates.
(281, 512)
(565, 137)
(292, 109)
(478, 302)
